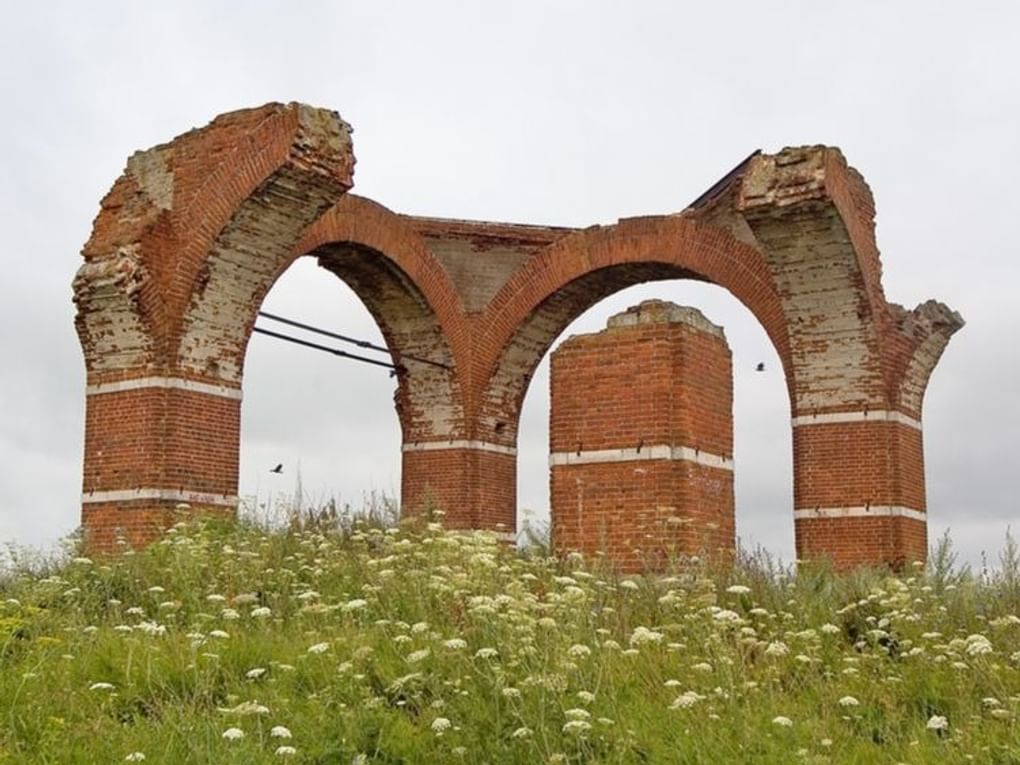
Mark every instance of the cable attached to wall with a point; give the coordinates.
(394, 368)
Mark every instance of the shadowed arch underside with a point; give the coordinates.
(195, 232)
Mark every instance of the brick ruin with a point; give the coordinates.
(641, 439)
(195, 232)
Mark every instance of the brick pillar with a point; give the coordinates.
(152, 446)
(472, 482)
(641, 435)
(859, 488)
(184, 248)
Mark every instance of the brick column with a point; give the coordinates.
(642, 438)
(152, 446)
(473, 482)
(859, 488)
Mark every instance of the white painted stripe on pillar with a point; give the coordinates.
(173, 495)
(873, 415)
(860, 512)
(482, 446)
(177, 383)
(654, 452)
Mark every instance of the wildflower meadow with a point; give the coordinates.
(234, 643)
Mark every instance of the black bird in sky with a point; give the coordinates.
(277, 469)
(760, 367)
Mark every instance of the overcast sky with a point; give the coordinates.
(567, 113)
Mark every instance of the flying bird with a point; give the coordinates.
(277, 469)
(760, 367)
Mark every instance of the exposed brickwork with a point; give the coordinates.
(195, 232)
(632, 407)
(475, 488)
(161, 438)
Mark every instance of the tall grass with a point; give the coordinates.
(336, 640)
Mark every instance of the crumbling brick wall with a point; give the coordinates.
(196, 231)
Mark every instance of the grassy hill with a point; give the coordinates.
(233, 644)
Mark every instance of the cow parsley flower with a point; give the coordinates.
(782, 722)
(777, 648)
(318, 648)
(440, 725)
(285, 751)
(686, 700)
(849, 701)
(279, 731)
(135, 757)
(233, 734)
(937, 723)
(642, 635)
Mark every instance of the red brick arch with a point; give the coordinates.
(573, 274)
(195, 232)
(383, 259)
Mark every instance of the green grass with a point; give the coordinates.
(427, 646)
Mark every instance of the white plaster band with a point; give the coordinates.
(481, 446)
(861, 512)
(873, 415)
(176, 383)
(172, 495)
(655, 452)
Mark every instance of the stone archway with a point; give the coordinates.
(193, 234)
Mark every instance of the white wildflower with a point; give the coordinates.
(577, 727)
(977, 645)
(279, 731)
(782, 722)
(285, 751)
(849, 701)
(440, 725)
(135, 757)
(644, 635)
(725, 616)
(416, 656)
(738, 589)
(318, 648)
(937, 722)
(686, 700)
(777, 648)
(101, 686)
(233, 734)
(255, 673)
